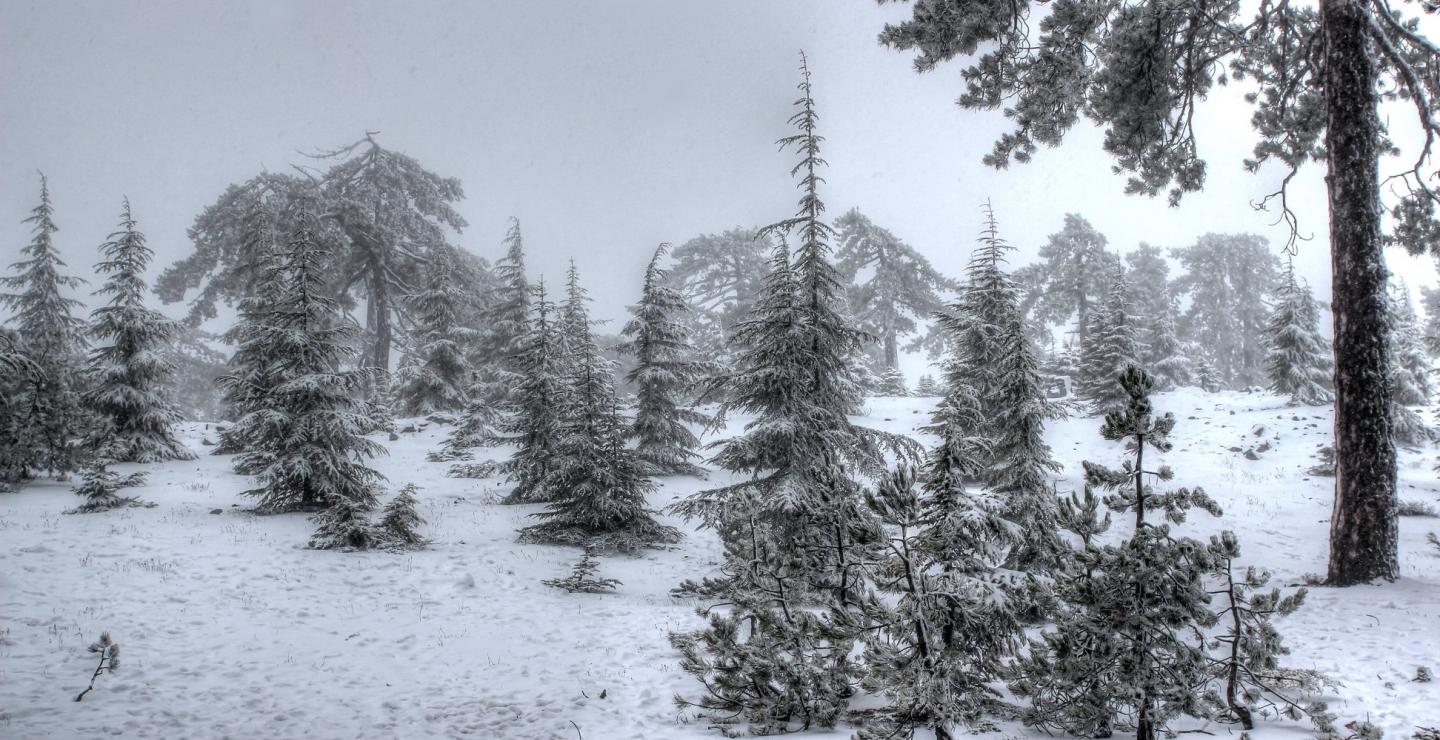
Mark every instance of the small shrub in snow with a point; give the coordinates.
(1325, 468)
(449, 454)
(109, 652)
(582, 578)
(1417, 508)
(482, 469)
(99, 489)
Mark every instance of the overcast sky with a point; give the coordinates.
(606, 127)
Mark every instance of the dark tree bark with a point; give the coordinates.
(1363, 533)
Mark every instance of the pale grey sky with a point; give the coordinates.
(606, 127)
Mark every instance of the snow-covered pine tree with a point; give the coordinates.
(399, 522)
(940, 639)
(721, 276)
(1153, 305)
(101, 487)
(254, 370)
(1120, 656)
(1229, 280)
(900, 287)
(892, 383)
(597, 484)
(434, 373)
(995, 362)
(1074, 273)
(496, 362)
(1109, 348)
(128, 372)
(1298, 362)
(1410, 367)
(666, 372)
(1430, 299)
(1205, 376)
(1246, 676)
(533, 420)
(308, 445)
(52, 418)
(926, 387)
(16, 374)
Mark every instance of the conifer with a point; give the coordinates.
(533, 420)
(434, 371)
(1298, 362)
(1109, 347)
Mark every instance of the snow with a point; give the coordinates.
(228, 627)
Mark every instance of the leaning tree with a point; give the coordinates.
(1139, 69)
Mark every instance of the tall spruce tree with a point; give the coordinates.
(16, 374)
(1410, 366)
(994, 362)
(597, 484)
(666, 371)
(1298, 363)
(435, 371)
(1153, 304)
(1108, 349)
(53, 420)
(305, 443)
(128, 370)
(1122, 653)
(533, 421)
(1229, 279)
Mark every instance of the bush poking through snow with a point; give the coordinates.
(1417, 508)
(482, 469)
(109, 652)
(399, 522)
(99, 487)
(1325, 729)
(582, 578)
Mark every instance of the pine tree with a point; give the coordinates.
(1410, 367)
(1153, 305)
(1164, 355)
(1246, 675)
(496, 362)
(1205, 375)
(533, 421)
(1229, 279)
(1109, 348)
(101, 487)
(1119, 656)
(53, 420)
(942, 639)
(926, 387)
(901, 287)
(129, 373)
(435, 371)
(892, 383)
(1075, 267)
(995, 362)
(721, 275)
(597, 485)
(1299, 363)
(666, 369)
(307, 448)
(399, 522)
(17, 373)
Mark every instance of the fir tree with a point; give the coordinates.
(926, 387)
(17, 373)
(533, 422)
(435, 371)
(1229, 279)
(1298, 363)
(497, 366)
(892, 383)
(597, 485)
(1119, 656)
(1164, 354)
(995, 362)
(307, 444)
(1075, 268)
(52, 419)
(666, 369)
(1108, 349)
(721, 275)
(129, 373)
(101, 487)
(399, 522)
(1410, 366)
(582, 578)
(1205, 375)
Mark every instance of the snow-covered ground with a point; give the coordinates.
(229, 628)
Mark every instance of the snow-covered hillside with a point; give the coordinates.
(230, 628)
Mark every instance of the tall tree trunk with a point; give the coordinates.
(1363, 536)
(379, 316)
(892, 349)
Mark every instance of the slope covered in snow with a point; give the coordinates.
(230, 628)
